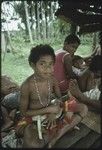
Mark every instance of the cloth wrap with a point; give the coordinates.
(69, 105)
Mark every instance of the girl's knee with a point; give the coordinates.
(31, 139)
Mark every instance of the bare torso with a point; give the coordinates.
(43, 90)
(34, 102)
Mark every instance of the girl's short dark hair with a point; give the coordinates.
(72, 38)
(40, 50)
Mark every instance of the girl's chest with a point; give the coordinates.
(41, 91)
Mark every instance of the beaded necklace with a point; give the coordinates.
(38, 93)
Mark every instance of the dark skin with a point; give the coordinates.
(71, 49)
(35, 108)
(27, 89)
(68, 66)
(85, 78)
(31, 106)
(74, 88)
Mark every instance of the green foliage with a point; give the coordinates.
(17, 66)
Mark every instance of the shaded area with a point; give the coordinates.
(83, 138)
(85, 14)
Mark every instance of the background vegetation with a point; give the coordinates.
(38, 25)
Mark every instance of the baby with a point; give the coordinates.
(79, 65)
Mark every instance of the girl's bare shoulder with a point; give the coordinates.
(27, 81)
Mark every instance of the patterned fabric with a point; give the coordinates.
(10, 140)
(68, 106)
(93, 94)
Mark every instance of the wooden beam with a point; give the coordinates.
(78, 3)
(90, 28)
(79, 18)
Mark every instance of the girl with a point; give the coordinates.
(41, 118)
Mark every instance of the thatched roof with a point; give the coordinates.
(87, 14)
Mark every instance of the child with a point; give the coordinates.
(8, 86)
(9, 101)
(41, 118)
(91, 98)
(79, 65)
(9, 107)
(63, 66)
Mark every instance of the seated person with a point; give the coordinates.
(63, 71)
(63, 65)
(93, 103)
(96, 58)
(93, 96)
(44, 121)
(79, 65)
(96, 50)
(95, 71)
(9, 107)
(8, 86)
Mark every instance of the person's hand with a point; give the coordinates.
(69, 114)
(50, 121)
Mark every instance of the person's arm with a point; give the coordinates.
(88, 101)
(56, 88)
(68, 67)
(74, 89)
(24, 103)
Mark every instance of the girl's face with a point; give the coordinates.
(44, 67)
(71, 48)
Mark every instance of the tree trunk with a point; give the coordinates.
(43, 7)
(4, 42)
(28, 24)
(51, 30)
(37, 20)
(42, 34)
(46, 20)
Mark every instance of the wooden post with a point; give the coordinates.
(73, 28)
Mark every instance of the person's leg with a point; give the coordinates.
(31, 139)
(83, 80)
(10, 102)
(12, 114)
(82, 110)
(7, 120)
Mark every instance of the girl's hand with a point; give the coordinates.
(69, 114)
(50, 121)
